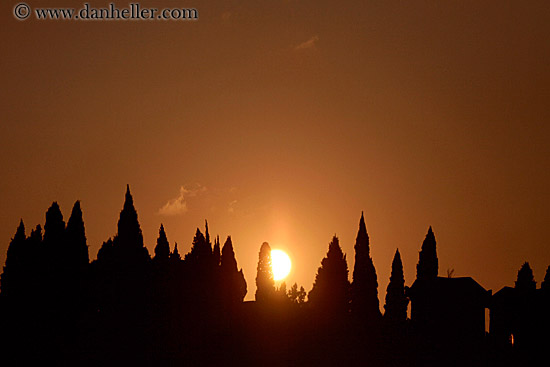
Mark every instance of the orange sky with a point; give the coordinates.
(283, 120)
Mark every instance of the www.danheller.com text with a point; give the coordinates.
(134, 11)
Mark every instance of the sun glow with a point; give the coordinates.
(280, 263)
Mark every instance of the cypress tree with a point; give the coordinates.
(128, 242)
(233, 282)
(56, 254)
(77, 247)
(526, 280)
(162, 249)
(396, 301)
(265, 285)
(330, 292)
(427, 267)
(54, 236)
(364, 289)
(228, 261)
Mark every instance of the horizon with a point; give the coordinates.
(252, 285)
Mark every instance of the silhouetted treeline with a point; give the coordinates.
(133, 309)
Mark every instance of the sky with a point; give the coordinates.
(282, 121)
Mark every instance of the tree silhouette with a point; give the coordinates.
(74, 276)
(546, 282)
(330, 292)
(233, 282)
(200, 251)
(54, 235)
(122, 274)
(265, 285)
(297, 296)
(162, 249)
(128, 243)
(364, 288)
(526, 280)
(57, 261)
(127, 309)
(427, 267)
(76, 239)
(396, 301)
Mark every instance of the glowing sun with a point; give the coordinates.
(280, 263)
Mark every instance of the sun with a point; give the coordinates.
(280, 263)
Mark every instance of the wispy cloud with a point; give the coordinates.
(178, 205)
(310, 43)
(231, 206)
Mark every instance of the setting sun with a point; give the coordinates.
(281, 264)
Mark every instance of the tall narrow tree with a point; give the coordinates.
(76, 239)
(396, 301)
(427, 267)
(265, 285)
(162, 249)
(54, 236)
(364, 288)
(330, 292)
(129, 240)
(233, 282)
